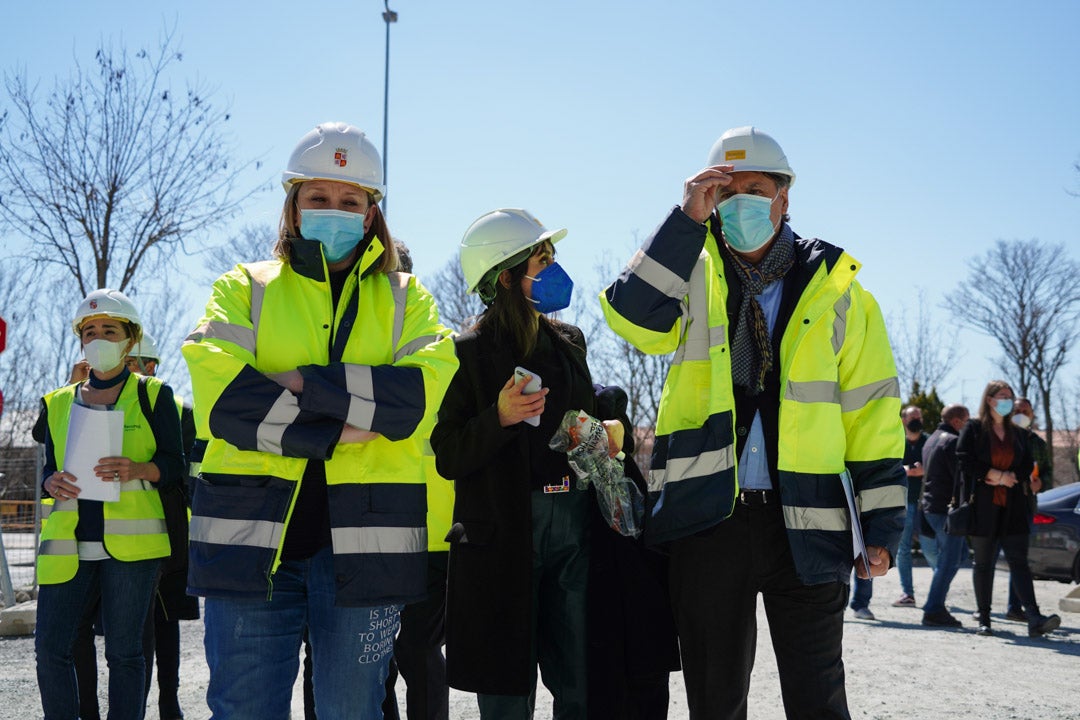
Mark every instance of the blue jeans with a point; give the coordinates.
(124, 589)
(903, 553)
(950, 553)
(862, 591)
(253, 648)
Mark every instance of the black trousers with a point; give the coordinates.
(982, 574)
(716, 577)
(418, 652)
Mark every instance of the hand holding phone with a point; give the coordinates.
(531, 388)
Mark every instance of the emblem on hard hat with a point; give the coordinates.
(340, 157)
(93, 304)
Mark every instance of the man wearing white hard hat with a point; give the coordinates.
(782, 390)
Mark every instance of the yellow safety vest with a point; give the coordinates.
(271, 317)
(135, 524)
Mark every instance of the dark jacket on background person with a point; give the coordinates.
(633, 644)
(489, 578)
(913, 453)
(973, 452)
(941, 469)
(1040, 453)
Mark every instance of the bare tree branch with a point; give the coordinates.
(925, 352)
(114, 168)
(1024, 294)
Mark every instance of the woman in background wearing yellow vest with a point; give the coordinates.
(316, 374)
(93, 550)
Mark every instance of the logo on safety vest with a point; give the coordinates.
(340, 157)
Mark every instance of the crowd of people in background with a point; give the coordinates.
(366, 486)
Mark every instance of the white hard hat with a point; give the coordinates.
(146, 348)
(495, 240)
(336, 151)
(107, 303)
(748, 148)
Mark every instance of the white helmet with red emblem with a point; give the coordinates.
(108, 303)
(336, 151)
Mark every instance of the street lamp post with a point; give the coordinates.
(389, 16)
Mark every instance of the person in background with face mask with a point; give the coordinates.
(314, 374)
(995, 458)
(95, 551)
(1042, 478)
(863, 588)
(939, 489)
(782, 385)
(519, 555)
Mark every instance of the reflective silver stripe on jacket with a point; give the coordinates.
(361, 389)
(839, 325)
(59, 547)
(703, 465)
(887, 496)
(656, 275)
(828, 391)
(224, 531)
(384, 540)
(259, 280)
(699, 336)
(814, 518)
(272, 428)
(235, 334)
(143, 526)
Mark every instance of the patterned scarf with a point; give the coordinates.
(751, 350)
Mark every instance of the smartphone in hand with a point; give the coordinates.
(533, 387)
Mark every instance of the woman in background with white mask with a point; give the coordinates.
(92, 549)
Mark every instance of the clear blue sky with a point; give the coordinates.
(919, 133)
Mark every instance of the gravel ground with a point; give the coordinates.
(896, 669)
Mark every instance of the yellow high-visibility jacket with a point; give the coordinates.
(135, 524)
(381, 362)
(838, 406)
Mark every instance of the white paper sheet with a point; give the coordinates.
(92, 435)
(858, 544)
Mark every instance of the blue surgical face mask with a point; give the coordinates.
(1003, 406)
(746, 223)
(339, 231)
(551, 289)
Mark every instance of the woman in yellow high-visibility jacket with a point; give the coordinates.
(108, 551)
(314, 376)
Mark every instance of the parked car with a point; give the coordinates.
(1054, 552)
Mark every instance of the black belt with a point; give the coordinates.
(759, 498)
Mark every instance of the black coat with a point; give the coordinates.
(942, 470)
(489, 578)
(973, 451)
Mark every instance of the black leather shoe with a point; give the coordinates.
(984, 630)
(1046, 623)
(1016, 615)
(941, 618)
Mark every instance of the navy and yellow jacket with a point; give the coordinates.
(380, 362)
(838, 397)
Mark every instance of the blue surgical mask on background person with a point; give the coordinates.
(746, 221)
(339, 231)
(104, 355)
(551, 289)
(1003, 406)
